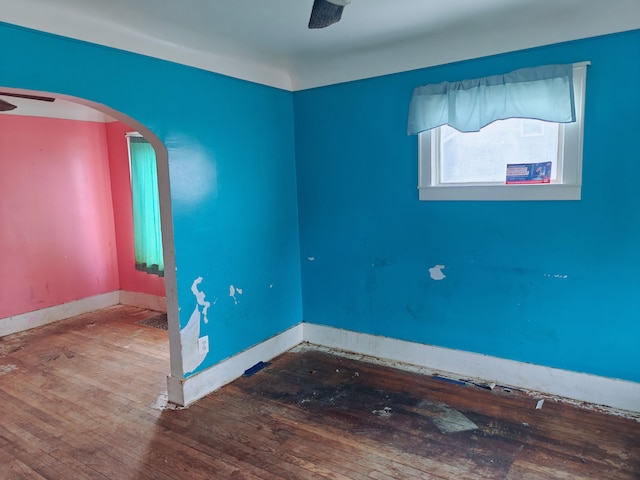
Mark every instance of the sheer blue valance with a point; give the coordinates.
(543, 93)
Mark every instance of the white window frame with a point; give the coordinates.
(567, 187)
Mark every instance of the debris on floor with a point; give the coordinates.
(447, 419)
(385, 412)
(4, 369)
(255, 369)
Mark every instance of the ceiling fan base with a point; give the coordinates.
(325, 13)
(6, 106)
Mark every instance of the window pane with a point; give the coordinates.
(478, 157)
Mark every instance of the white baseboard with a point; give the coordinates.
(143, 300)
(37, 318)
(608, 392)
(186, 391)
(596, 390)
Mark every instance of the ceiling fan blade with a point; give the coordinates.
(326, 12)
(27, 96)
(6, 106)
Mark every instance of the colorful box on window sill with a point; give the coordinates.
(527, 173)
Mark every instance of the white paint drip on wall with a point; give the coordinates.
(189, 335)
(436, 272)
(233, 292)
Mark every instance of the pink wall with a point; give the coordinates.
(57, 234)
(130, 279)
(66, 230)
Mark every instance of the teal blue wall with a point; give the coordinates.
(373, 241)
(232, 173)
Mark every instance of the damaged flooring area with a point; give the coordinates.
(86, 398)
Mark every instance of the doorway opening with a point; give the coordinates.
(66, 196)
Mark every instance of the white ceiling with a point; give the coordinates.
(267, 41)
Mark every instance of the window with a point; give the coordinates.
(455, 165)
(147, 232)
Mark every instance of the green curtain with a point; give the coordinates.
(147, 232)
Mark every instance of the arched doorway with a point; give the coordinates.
(81, 181)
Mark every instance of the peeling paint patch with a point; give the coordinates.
(190, 333)
(436, 272)
(556, 275)
(4, 369)
(233, 291)
(200, 298)
(311, 259)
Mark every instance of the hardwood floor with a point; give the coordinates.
(83, 399)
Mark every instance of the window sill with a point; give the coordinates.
(502, 192)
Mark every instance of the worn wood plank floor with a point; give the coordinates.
(80, 399)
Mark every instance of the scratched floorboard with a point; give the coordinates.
(79, 400)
